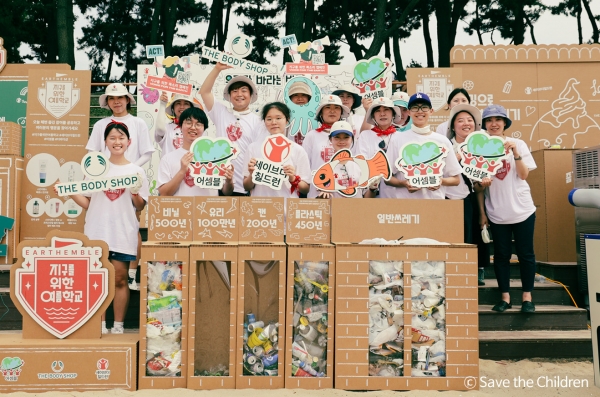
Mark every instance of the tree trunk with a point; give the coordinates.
(216, 19)
(355, 48)
(400, 73)
(427, 34)
(382, 34)
(443, 15)
(478, 26)
(170, 23)
(51, 40)
(227, 14)
(294, 23)
(309, 21)
(388, 54)
(590, 15)
(110, 61)
(579, 30)
(530, 29)
(155, 22)
(518, 23)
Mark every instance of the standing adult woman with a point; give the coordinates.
(510, 211)
(457, 96)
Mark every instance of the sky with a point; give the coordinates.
(412, 48)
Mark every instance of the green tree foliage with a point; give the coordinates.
(262, 27)
(12, 14)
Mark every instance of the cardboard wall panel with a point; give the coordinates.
(170, 218)
(216, 219)
(11, 174)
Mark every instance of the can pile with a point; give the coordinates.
(428, 292)
(309, 349)
(163, 321)
(386, 318)
(260, 347)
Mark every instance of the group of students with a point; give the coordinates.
(502, 202)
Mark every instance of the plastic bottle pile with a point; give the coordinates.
(428, 291)
(386, 318)
(309, 349)
(163, 324)
(260, 347)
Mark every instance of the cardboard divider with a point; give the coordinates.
(212, 334)
(261, 291)
(310, 253)
(262, 219)
(216, 219)
(163, 252)
(170, 218)
(353, 369)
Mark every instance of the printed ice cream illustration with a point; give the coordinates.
(422, 163)
(482, 155)
(567, 120)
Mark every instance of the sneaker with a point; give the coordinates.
(481, 277)
(528, 307)
(502, 306)
(104, 330)
(115, 330)
(132, 284)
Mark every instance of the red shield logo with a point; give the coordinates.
(61, 286)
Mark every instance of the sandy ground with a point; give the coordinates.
(496, 372)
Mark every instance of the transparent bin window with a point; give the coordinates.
(428, 295)
(309, 349)
(261, 327)
(386, 318)
(163, 319)
(212, 342)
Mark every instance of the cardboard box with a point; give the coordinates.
(11, 174)
(68, 365)
(550, 183)
(212, 334)
(391, 219)
(261, 291)
(216, 219)
(308, 221)
(170, 218)
(261, 219)
(152, 253)
(10, 138)
(302, 254)
(352, 331)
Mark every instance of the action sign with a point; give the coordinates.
(155, 51)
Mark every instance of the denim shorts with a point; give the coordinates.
(120, 257)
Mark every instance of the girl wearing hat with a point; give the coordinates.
(169, 136)
(458, 96)
(174, 177)
(420, 109)
(465, 119)
(276, 116)
(350, 98)
(299, 94)
(510, 211)
(400, 99)
(316, 142)
(240, 124)
(110, 217)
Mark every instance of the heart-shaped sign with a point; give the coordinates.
(11, 363)
(368, 70)
(213, 150)
(482, 144)
(415, 153)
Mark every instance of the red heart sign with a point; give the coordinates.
(62, 286)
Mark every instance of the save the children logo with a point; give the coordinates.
(61, 286)
(102, 373)
(58, 96)
(276, 150)
(11, 368)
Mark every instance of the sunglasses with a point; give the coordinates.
(417, 108)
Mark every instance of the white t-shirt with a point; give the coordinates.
(170, 165)
(368, 145)
(171, 141)
(298, 159)
(443, 128)
(319, 150)
(251, 129)
(451, 168)
(111, 214)
(508, 199)
(462, 190)
(356, 121)
(138, 133)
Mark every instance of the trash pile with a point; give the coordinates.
(309, 348)
(163, 323)
(386, 318)
(260, 347)
(428, 293)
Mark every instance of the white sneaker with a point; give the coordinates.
(104, 330)
(115, 330)
(133, 285)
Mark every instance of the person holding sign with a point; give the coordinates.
(288, 155)
(458, 96)
(350, 98)
(169, 136)
(422, 138)
(174, 175)
(464, 120)
(510, 211)
(240, 125)
(400, 99)
(110, 217)
(316, 142)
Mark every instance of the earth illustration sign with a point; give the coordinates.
(422, 163)
(212, 158)
(482, 155)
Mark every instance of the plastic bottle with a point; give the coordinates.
(308, 332)
(316, 309)
(309, 369)
(36, 208)
(300, 352)
(268, 331)
(296, 371)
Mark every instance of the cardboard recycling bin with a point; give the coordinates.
(163, 315)
(170, 218)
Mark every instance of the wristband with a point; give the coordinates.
(295, 184)
(135, 194)
(518, 158)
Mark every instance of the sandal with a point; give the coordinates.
(502, 306)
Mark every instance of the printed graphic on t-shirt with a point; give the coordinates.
(234, 132)
(299, 138)
(189, 179)
(326, 154)
(178, 139)
(114, 194)
(502, 172)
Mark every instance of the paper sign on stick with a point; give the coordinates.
(268, 171)
(482, 155)
(212, 157)
(95, 165)
(307, 56)
(371, 77)
(345, 174)
(422, 163)
(241, 46)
